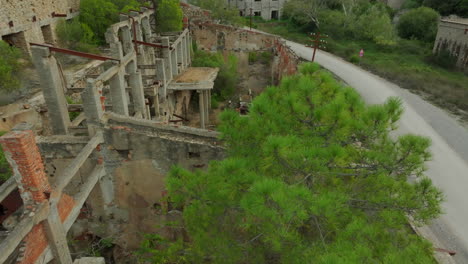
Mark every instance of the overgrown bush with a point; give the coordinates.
(169, 16)
(5, 169)
(443, 59)
(98, 15)
(420, 23)
(75, 35)
(225, 83)
(9, 67)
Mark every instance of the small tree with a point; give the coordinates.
(313, 176)
(98, 15)
(169, 16)
(9, 67)
(420, 23)
(75, 35)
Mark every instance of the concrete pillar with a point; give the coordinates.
(201, 103)
(174, 61)
(207, 107)
(146, 26)
(118, 93)
(138, 93)
(180, 56)
(188, 47)
(127, 40)
(53, 87)
(167, 59)
(161, 76)
(92, 105)
(186, 51)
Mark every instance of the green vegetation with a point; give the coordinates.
(75, 35)
(169, 16)
(444, 7)
(72, 115)
(9, 67)
(225, 83)
(264, 57)
(420, 23)
(5, 169)
(313, 176)
(408, 62)
(220, 11)
(98, 15)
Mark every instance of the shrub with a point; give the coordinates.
(333, 23)
(225, 83)
(419, 23)
(354, 59)
(252, 57)
(169, 16)
(75, 35)
(98, 15)
(374, 24)
(9, 67)
(266, 57)
(5, 169)
(443, 59)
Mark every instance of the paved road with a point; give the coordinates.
(449, 167)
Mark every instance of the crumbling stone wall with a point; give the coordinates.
(22, 22)
(267, 9)
(216, 37)
(453, 36)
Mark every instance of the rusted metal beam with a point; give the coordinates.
(75, 53)
(58, 15)
(154, 45)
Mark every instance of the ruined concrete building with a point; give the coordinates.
(453, 37)
(22, 22)
(101, 175)
(267, 9)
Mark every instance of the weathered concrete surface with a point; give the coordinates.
(452, 36)
(32, 21)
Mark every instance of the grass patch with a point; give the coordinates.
(409, 63)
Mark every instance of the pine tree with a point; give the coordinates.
(314, 175)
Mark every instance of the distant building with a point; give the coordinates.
(26, 21)
(453, 37)
(267, 9)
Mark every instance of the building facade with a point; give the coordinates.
(267, 9)
(453, 37)
(26, 21)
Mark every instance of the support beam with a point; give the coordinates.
(167, 59)
(53, 87)
(56, 236)
(8, 246)
(6, 188)
(201, 102)
(118, 93)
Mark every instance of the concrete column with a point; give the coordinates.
(53, 87)
(127, 40)
(174, 61)
(189, 47)
(186, 50)
(161, 75)
(167, 59)
(207, 107)
(118, 93)
(92, 105)
(180, 56)
(138, 93)
(201, 102)
(56, 236)
(146, 26)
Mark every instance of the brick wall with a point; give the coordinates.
(24, 157)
